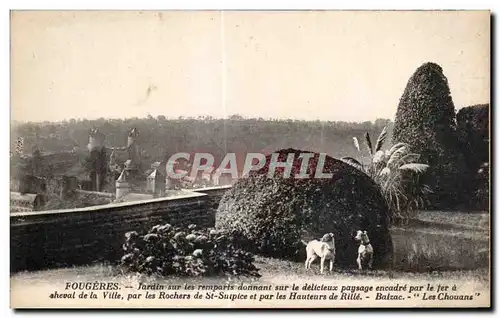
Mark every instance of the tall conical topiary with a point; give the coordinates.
(425, 119)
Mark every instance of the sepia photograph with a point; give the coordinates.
(250, 159)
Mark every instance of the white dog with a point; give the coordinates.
(365, 250)
(324, 249)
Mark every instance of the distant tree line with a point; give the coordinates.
(161, 137)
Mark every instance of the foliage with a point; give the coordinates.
(481, 189)
(425, 119)
(97, 162)
(396, 170)
(275, 214)
(36, 161)
(474, 136)
(166, 250)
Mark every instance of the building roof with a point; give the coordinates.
(122, 178)
(28, 197)
(152, 175)
(148, 172)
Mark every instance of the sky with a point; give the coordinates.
(327, 65)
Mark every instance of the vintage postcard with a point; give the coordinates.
(250, 159)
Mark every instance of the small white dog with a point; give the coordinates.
(365, 250)
(324, 249)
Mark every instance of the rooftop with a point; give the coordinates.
(30, 197)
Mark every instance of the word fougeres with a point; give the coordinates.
(91, 286)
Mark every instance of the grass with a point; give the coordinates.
(434, 250)
(466, 220)
(438, 240)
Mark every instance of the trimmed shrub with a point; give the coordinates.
(274, 214)
(425, 119)
(474, 136)
(167, 250)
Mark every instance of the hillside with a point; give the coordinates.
(161, 137)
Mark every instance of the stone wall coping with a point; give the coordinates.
(98, 208)
(206, 189)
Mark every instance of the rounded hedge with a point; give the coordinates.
(275, 214)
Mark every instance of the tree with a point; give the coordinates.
(425, 119)
(96, 164)
(36, 162)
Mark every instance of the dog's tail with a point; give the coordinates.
(304, 242)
